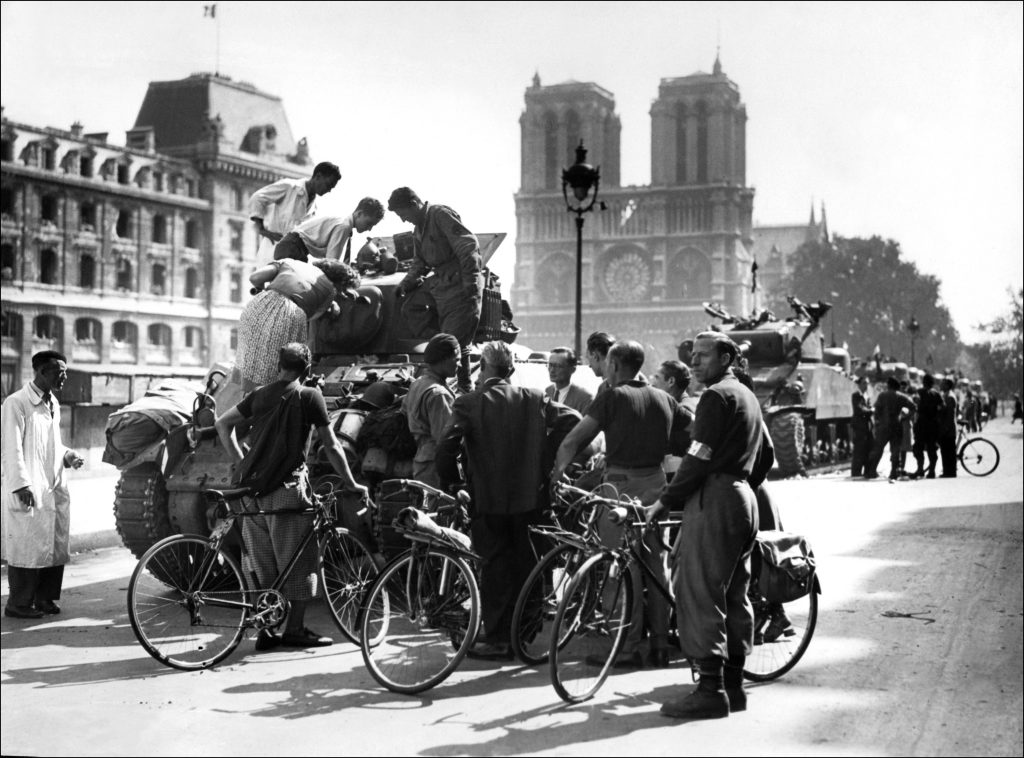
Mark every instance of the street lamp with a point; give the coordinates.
(581, 177)
(913, 327)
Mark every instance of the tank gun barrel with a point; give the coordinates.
(717, 310)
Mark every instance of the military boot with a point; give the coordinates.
(733, 676)
(708, 701)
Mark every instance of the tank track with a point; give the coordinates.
(140, 508)
(787, 432)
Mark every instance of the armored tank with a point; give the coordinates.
(804, 388)
(366, 359)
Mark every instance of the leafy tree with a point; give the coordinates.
(1001, 360)
(874, 294)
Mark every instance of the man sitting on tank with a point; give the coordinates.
(282, 413)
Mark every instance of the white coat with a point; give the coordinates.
(33, 456)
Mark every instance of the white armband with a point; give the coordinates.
(699, 450)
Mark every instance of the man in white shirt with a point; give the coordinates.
(329, 236)
(561, 367)
(279, 207)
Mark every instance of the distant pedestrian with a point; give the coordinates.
(280, 207)
(860, 427)
(1018, 409)
(926, 427)
(948, 417)
(36, 503)
(891, 407)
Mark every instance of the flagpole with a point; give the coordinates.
(217, 22)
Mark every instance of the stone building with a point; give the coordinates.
(656, 252)
(774, 245)
(133, 260)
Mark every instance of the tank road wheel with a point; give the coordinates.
(787, 432)
(140, 508)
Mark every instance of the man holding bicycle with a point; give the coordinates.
(282, 413)
(711, 556)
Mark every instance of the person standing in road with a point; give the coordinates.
(561, 367)
(447, 248)
(711, 555)
(280, 207)
(948, 415)
(428, 404)
(503, 429)
(891, 407)
(329, 237)
(860, 428)
(36, 503)
(926, 427)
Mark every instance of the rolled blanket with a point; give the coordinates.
(416, 520)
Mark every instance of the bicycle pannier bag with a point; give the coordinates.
(786, 566)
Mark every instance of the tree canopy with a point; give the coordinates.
(874, 294)
(1001, 361)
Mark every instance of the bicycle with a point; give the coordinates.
(190, 604)
(574, 533)
(422, 614)
(594, 613)
(978, 455)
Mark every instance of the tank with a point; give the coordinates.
(365, 361)
(805, 389)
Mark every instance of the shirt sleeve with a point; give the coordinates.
(317, 408)
(601, 409)
(245, 405)
(14, 414)
(464, 245)
(438, 407)
(708, 425)
(679, 436)
(339, 235)
(263, 198)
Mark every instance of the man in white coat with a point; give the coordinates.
(36, 505)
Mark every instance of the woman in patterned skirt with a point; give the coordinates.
(291, 293)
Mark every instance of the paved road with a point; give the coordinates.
(946, 682)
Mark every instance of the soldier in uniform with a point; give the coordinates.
(711, 555)
(428, 406)
(860, 427)
(448, 249)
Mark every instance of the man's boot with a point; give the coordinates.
(733, 677)
(708, 701)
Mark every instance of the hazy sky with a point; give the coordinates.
(905, 118)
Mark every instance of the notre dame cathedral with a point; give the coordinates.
(655, 252)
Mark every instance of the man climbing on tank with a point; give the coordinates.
(448, 249)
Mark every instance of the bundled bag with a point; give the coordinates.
(138, 426)
(786, 570)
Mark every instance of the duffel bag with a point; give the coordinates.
(786, 570)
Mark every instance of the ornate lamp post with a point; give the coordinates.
(913, 327)
(581, 177)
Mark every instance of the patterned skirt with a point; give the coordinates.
(269, 321)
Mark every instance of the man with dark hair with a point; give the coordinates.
(598, 345)
(891, 407)
(711, 556)
(561, 367)
(947, 429)
(926, 427)
(283, 412)
(674, 378)
(641, 425)
(37, 507)
(428, 405)
(503, 429)
(330, 236)
(860, 428)
(279, 207)
(448, 249)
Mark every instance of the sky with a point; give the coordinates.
(905, 119)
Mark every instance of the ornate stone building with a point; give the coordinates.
(775, 244)
(133, 260)
(656, 252)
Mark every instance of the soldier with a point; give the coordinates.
(891, 407)
(860, 426)
(448, 249)
(279, 207)
(428, 406)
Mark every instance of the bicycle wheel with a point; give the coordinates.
(346, 572)
(978, 456)
(589, 627)
(187, 603)
(537, 603)
(782, 632)
(421, 617)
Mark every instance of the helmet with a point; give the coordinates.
(378, 395)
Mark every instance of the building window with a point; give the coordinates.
(237, 198)
(48, 208)
(87, 217)
(235, 230)
(236, 287)
(87, 272)
(123, 229)
(702, 143)
(191, 282)
(556, 280)
(160, 229)
(193, 337)
(123, 174)
(689, 276)
(159, 335)
(7, 203)
(190, 187)
(159, 286)
(87, 330)
(85, 166)
(158, 181)
(551, 151)
(124, 275)
(191, 233)
(10, 326)
(8, 262)
(572, 137)
(48, 328)
(49, 266)
(681, 117)
(7, 150)
(232, 339)
(48, 158)
(124, 333)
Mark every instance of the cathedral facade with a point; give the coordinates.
(133, 260)
(656, 252)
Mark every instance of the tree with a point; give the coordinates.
(874, 294)
(1001, 360)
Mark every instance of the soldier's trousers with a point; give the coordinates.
(947, 449)
(861, 449)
